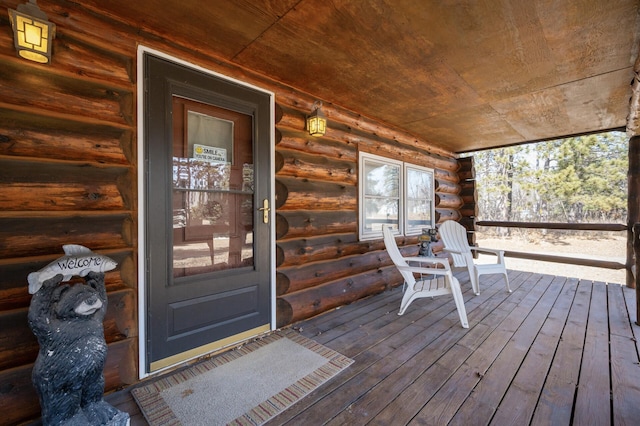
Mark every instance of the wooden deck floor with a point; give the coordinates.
(556, 351)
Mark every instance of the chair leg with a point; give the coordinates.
(459, 300)
(475, 281)
(506, 280)
(409, 296)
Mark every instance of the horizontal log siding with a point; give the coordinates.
(468, 192)
(67, 175)
(320, 262)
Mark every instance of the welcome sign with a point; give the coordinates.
(78, 260)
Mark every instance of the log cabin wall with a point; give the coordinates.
(68, 174)
(320, 262)
(469, 194)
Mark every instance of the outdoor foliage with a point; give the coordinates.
(580, 179)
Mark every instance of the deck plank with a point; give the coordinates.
(386, 333)
(519, 402)
(619, 321)
(630, 299)
(496, 370)
(629, 295)
(593, 399)
(625, 364)
(555, 405)
(434, 323)
(416, 381)
(353, 390)
(324, 327)
(555, 351)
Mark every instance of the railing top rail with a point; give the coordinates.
(556, 225)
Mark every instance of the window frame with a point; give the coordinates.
(431, 199)
(365, 234)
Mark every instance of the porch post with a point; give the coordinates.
(633, 187)
(633, 220)
(633, 206)
(636, 251)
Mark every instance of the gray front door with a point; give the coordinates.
(207, 185)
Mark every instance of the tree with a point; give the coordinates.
(579, 179)
(499, 176)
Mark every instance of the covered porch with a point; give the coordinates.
(556, 350)
(400, 79)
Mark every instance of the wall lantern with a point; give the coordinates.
(317, 122)
(32, 33)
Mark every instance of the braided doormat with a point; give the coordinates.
(245, 386)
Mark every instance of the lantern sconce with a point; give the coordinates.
(32, 32)
(317, 122)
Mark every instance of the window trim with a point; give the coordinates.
(431, 172)
(363, 234)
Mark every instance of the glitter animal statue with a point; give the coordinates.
(68, 372)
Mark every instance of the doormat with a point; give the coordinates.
(245, 386)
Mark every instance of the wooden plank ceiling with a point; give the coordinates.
(464, 75)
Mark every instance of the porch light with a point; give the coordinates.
(32, 33)
(317, 122)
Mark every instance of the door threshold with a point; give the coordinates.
(207, 349)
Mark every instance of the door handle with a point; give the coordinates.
(265, 210)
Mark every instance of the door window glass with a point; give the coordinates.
(212, 189)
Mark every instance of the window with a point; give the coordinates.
(418, 199)
(394, 193)
(380, 195)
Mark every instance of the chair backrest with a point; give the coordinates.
(454, 237)
(392, 247)
(395, 255)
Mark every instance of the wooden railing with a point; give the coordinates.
(597, 263)
(633, 249)
(557, 225)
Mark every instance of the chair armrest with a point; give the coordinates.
(488, 250)
(453, 251)
(427, 259)
(428, 271)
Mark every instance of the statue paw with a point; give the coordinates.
(103, 413)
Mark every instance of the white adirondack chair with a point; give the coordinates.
(454, 237)
(435, 281)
